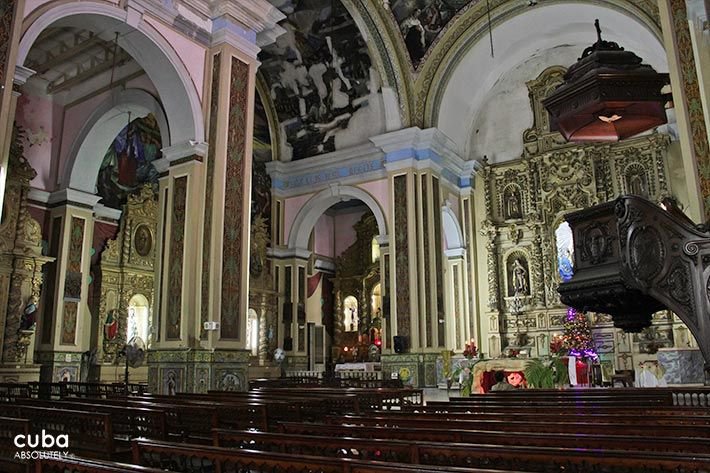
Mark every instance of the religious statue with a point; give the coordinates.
(512, 204)
(520, 278)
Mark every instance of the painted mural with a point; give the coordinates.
(421, 21)
(261, 182)
(128, 163)
(320, 77)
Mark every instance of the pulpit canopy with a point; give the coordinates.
(607, 95)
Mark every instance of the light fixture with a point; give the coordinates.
(608, 95)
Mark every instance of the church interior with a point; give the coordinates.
(362, 184)
(299, 210)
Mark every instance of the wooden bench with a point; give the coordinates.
(544, 439)
(128, 421)
(541, 425)
(9, 428)
(90, 433)
(406, 451)
(558, 415)
(83, 465)
(182, 457)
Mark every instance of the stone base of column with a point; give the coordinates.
(197, 371)
(109, 373)
(414, 369)
(58, 366)
(296, 363)
(19, 373)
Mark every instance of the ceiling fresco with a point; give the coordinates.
(319, 74)
(421, 21)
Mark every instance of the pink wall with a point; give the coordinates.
(191, 54)
(291, 207)
(42, 122)
(345, 234)
(76, 117)
(380, 191)
(454, 200)
(324, 235)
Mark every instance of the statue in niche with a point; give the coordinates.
(636, 184)
(512, 203)
(519, 278)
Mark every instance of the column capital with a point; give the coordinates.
(173, 154)
(22, 73)
(74, 197)
(247, 26)
(290, 253)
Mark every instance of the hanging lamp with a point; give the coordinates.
(607, 95)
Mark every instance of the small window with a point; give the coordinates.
(565, 251)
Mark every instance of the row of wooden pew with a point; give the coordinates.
(300, 429)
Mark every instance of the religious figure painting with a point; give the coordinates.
(421, 21)
(128, 163)
(320, 77)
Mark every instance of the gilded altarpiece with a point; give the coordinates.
(525, 202)
(21, 262)
(126, 270)
(356, 275)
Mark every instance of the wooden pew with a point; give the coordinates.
(195, 421)
(83, 465)
(90, 433)
(559, 415)
(128, 421)
(183, 457)
(543, 439)
(510, 424)
(9, 428)
(444, 406)
(175, 456)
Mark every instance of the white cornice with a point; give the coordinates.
(257, 16)
(228, 36)
(289, 253)
(22, 73)
(185, 149)
(73, 196)
(101, 211)
(38, 195)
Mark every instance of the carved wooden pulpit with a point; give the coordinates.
(633, 258)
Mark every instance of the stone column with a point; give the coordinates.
(687, 58)
(203, 273)
(65, 327)
(11, 12)
(292, 266)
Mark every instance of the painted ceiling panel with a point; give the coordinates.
(421, 21)
(320, 77)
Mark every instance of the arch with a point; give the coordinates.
(452, 229)
(146, 45)
(138, 320)
(312, 210)
(470, 60)
(101, 128)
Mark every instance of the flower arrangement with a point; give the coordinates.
(464, 371)
(557, 346)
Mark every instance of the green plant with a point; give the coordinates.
(546, 374)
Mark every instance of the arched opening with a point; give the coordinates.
(138, 322)
(317, 205)
(141, 43)
(252, 332)
(351, 314)
(472, 119)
